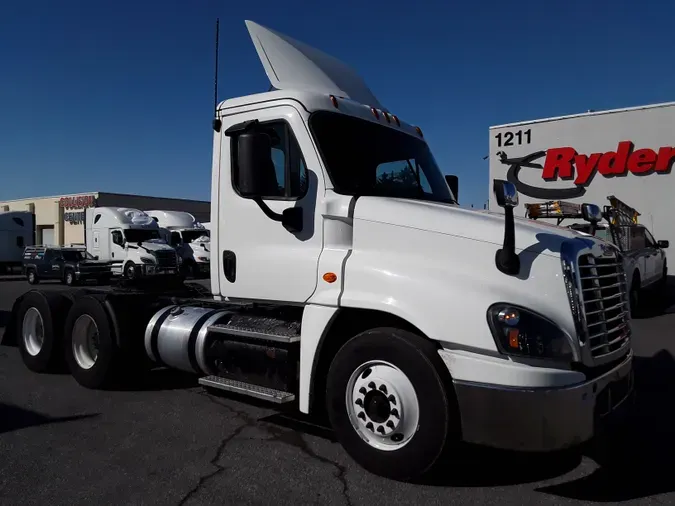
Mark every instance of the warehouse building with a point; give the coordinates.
(60, 220)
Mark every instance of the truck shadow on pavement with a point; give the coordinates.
(15, 418)
(634, 461)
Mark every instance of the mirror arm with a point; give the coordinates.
(266, 209)
(506, 259)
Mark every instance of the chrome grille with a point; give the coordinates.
(603, 298)
(166, 259)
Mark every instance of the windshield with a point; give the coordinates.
(363, 158)
(140, 235)
(191, 235)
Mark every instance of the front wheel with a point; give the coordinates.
(390, 404)
(70, 278)
(130, 270)
(32, 278)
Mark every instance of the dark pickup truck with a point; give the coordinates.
(71, 265)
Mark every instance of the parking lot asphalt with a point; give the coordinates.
(168, 442)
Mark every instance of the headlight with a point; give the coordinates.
(147, 260)
(521, 332)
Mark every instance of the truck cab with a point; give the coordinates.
(131, 241)
(189, 237)
(346, 281)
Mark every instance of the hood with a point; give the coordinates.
(290, 64)
(484, 226)
(152, 245)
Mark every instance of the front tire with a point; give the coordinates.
(130, 271)
(390, 404)
(69, 278)
(91, 351)
(32, 278)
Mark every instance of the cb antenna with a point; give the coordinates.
(216, 121)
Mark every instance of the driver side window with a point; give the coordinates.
(117, 237)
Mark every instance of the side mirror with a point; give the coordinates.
(453, 183)
(256, 176)
(505, 193)
(96, 257)
(663, 244)
(591, 213)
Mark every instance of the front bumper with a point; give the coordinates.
(154, 270)
(542, 419)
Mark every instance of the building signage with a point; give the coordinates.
(568, 165)
(78, 202)
(76, 218)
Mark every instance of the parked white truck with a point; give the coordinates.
(190, 238)
(131, 240)
(345, 279)
(17, 231)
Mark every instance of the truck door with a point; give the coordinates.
(654, 256)
(259, 258)
(640, 254)
(117, 252)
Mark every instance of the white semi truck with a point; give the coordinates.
(17, 231)
(190, 238)
(130, 239)
(346, 280)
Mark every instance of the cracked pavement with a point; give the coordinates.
(169, 442)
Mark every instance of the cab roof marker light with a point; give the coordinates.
(334, 100)
(398, 123)
(386, 116)
(419, 132)
(375, 113)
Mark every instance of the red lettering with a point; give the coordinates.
(558, 163)
(586, 167)
(665, 160)
(642, 161)
(614, 163)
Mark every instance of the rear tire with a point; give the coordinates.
(40, 321)
(390, 403)
(90, 347)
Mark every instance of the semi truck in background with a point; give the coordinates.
(17, 231)
(190, 238)
(346, 281)
(130, 239)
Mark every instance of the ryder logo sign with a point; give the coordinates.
(567, 164)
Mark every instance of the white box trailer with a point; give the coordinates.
(628, 153)
(17, 230)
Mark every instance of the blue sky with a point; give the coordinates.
(117, 96)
